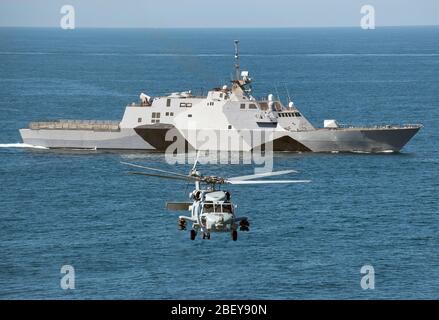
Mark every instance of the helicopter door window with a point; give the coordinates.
(208, 207)
(242, 105)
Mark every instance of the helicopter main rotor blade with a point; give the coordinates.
(154, 169)
(261, 175)
(196, 160)
(185, 178)
(266, 181)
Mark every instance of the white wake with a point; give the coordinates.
(20, 145)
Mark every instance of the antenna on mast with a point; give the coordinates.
(277, 92)
(236, 59)
(288, 93)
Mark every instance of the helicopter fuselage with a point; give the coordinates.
(212, 211)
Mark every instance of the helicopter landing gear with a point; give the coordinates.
(181, 224)
(193, 234)
(244, 225)
(206, 236)
(234, 235)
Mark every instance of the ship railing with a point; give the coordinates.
(94, 125)
(134, 104)
(379, 126)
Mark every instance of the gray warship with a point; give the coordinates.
(229, 113)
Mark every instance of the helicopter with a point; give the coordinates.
(211, 208)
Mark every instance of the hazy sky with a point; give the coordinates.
(219, 13)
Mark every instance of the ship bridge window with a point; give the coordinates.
(263, 106)
(168, 102)
(242, 106)
(297, 114)
(185, 105)
(277, 106)
(155, 117)
(252, 106)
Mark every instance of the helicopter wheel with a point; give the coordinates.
(234, 235)
(193, 234)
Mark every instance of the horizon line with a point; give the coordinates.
(252, 27)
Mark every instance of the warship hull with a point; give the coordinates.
(153, 137)
(371, 140)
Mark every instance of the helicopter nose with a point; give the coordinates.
(227, 218)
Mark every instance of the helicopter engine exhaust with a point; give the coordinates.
(181, 224)
(244, 225)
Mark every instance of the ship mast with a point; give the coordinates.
(237, 60)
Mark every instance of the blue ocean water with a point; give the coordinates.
(305, 242)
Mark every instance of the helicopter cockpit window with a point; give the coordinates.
(218, 208)
(227, 208)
